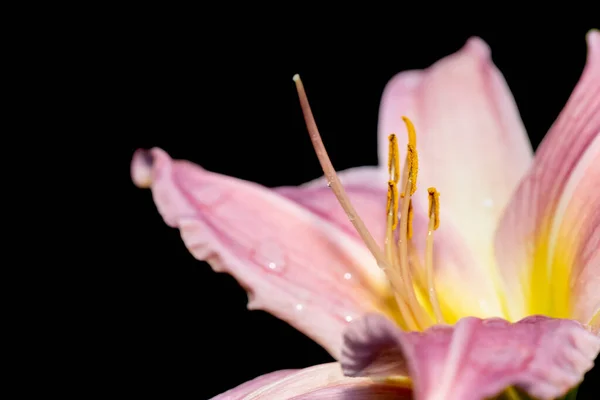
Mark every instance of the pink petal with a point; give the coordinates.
(473, 148)
(324, 381)
(294, 263)
(548, 240)
(476, 358)
(367, 189)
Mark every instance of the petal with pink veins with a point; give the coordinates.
(295, 263)
(473, 148)
(548, 241)
(475, 358)
(324, 381)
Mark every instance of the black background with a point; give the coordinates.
(219, 92)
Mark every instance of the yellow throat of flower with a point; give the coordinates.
(412, 282)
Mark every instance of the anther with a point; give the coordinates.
(411, 155)
(392, 203)
(393, 159)
(434, 207)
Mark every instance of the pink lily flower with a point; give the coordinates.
(487, 282)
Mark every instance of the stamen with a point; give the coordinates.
(391, 251)
(434, 223)
(332, 178)
(409, 180)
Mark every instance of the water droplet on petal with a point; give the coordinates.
(299, 307)
(488, 203)
(328, 184)
(270, 255)
(347, 276)
(348, 316)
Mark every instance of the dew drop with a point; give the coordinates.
(348, 318)
(488, 203)
(270, 255)
(328, 184)
(347, 276)
(299, 307)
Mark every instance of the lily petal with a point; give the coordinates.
(324, 381)
(473, 148)
(548, 243)
(295, 264)
(476, 358)
(367, 189)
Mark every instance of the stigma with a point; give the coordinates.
(411, 279)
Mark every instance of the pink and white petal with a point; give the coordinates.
(367, 189)
(325, 381)
(576, 242)
(295, 264)
(477, 358)
(531, 228)
(472, 147)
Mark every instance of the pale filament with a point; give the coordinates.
(394, 260)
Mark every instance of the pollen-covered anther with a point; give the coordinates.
(394, 177)
(412, 159)
(393, 158)
(392, 203)
(434, 207)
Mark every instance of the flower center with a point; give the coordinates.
(394, 260)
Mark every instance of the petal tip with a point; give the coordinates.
(593, 40)
(141, 168)
(477, 46)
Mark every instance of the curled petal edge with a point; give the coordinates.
(476, 358)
